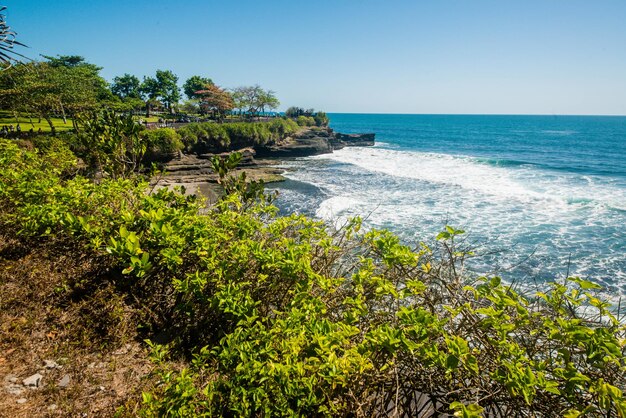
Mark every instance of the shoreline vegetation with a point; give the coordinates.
(122, 298)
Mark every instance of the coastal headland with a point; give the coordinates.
(193, 169)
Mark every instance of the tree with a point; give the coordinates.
(268, 100)
(164, 87)
(168, 87)
(71, 61)
(111, 142)
(126, 86)
(195, 83)
(7, 42)
(215, 100)
(151, 91)
(320, 118)
(190, 106)
(38, 88)
(294, 112)
(253, 99)
(79, 64)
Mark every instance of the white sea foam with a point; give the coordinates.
(525, 184)
(336, 208)
(548, 223)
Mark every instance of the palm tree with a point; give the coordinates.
(7, 42)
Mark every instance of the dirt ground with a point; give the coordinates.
(60, 318)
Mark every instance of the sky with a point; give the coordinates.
(357, 56)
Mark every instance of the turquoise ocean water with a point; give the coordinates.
(539, 196)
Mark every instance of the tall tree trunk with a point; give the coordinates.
(52, 128)
(63, 113)
(147, 110)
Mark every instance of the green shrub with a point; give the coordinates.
(305, 121)
(162, 141)
(236, 135)
(109, 143)
(321, 119)
(283, 127)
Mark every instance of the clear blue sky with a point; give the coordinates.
(404, 56)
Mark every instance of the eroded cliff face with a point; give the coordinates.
(353, 140)
(314, 141)
(309, 141)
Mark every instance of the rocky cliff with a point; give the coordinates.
(314, 141)
(194, 171)
(352, 140)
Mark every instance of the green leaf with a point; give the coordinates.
(452, 361)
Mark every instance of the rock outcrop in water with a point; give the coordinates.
(352, 140)
(314, 141)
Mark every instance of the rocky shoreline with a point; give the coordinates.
(195, 174)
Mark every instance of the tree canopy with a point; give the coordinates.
(194, 84)
(216, 100)
(43, 89)
(253, 99)
(126, 86)
(78, 64)
(168, 87)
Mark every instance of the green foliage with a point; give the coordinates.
(253, 99)
(110, 143)
(190, 107)
(320, 118)
(294, 111)
(162, 141)
(195, 83)
(284, 317)
(44, 90)
(126, 86)
(232, 135)
(305, 121)
(168, 87)
(78, 65)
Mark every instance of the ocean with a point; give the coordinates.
(540, 197)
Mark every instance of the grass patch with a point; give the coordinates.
(26, 122)
(145, 119)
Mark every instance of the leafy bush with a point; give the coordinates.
(228, 136)
(162, 141)
(299, 114)
(283, 127)
(283, 317)
(305, 121)
(110, 143)
(321, 119)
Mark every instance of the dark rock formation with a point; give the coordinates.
(200, 165)
(312, 141)
(247, 156)
(353, 140)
